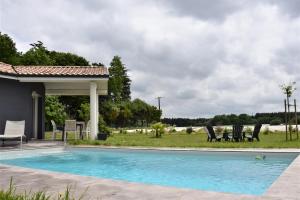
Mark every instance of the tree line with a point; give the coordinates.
(116, 109)
(275, 118)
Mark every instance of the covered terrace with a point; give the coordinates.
(23, 90)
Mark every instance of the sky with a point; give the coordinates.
(204, 57)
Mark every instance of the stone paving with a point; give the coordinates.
(286, 187)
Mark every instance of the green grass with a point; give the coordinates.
(181, 139)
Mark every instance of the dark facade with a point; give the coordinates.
(16, 103)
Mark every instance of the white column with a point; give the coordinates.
(97, 108)
(93, 109)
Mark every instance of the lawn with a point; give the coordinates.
(182, 139)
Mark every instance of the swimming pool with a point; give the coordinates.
(234, 172)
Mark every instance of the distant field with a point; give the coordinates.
(181, 139)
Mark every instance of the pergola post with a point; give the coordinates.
(93, 109)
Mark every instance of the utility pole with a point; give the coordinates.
(158, 100)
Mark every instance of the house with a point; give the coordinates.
(23, 90)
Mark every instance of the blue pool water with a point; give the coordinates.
(214, 171)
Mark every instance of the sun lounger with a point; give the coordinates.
(211, 134)
(237, 131)
(255, 134)
(14, 130)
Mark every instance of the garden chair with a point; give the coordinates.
(70, 126)
(212, 135)
(55, 130)
(237, 133)
(226, 135)
(14, 130)
(87, 130)
(255, 133)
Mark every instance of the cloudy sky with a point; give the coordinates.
(205, 57)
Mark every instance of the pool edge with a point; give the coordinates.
(286, 186)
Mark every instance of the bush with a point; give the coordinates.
(172, 129)
(189, 130)
(123, 131)
(84, 112)
(219, 130)
(276, 121)
(102, 128)
(159, 129)
(266, 131)
(248, 130)
(55, 111)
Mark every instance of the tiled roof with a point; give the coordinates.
(6, 69)
(53, 71)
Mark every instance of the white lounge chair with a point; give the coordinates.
(14, 129)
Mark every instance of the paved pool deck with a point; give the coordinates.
(286, 187)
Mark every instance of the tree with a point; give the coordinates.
(67, 59)
(119, 82)
(288, 89)
(8, 50)
(84, 112)
(37, 55)
(98, 64)
(73, 104)
(125, 114)
(54, 110)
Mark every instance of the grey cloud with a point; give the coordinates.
(203, 9)
(203, 57)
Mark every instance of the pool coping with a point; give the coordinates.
(286, 186)
(271, 150)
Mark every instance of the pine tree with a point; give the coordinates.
(119, 82)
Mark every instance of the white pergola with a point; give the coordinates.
(63, 80)
(92, 86)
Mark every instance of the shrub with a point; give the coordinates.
(248, 130)
(159, 129)
(266, 131)
(123, 131)
(219, 130)
(84, 112)
(54, 110)
(276, 121)
(189, 130)
(102, 126)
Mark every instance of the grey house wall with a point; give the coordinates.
(16, 103)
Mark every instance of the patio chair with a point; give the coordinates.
(237, 133)
(87, 130)
(55, 130)
(255, 133)
(226, 136)
(14, 130)
(70, 126)
(212, 135)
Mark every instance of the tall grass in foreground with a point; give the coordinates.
(11, 194)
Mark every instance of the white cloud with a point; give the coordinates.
(203, 59)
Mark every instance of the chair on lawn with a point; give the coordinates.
(14, 130)
(237, 133)
(70, 126)
(255, 133)
(55, 130)
(211, 134)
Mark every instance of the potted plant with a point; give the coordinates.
(104, 131)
